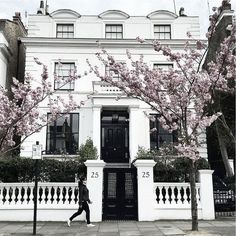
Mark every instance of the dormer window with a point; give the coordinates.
(65, 31)
(162, 32)
(114, 31)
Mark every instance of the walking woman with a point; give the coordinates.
(83, 202)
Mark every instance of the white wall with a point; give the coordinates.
(49, 50)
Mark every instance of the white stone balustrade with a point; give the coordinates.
(105, 88)
(56, 201)
(174, 194)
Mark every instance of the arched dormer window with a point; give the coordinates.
(65, 13)
(162, 14)
(114, 14)
(162, 21)
(65, 22)
(114, 23)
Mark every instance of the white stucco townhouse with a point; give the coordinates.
(117, 127)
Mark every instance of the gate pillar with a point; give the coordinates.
(206, 193)
(146, 197)
(95, 186)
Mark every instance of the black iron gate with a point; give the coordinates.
(224, 199)
(120, 194)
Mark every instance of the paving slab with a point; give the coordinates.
(170, 230)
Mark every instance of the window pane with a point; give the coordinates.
(162, 28)
(108, 28)
(108, 35)
(64, 137)
(167, 28)
(75, 122)
(167, 36)
(162, 36)
(160, 136)
(59, 27)
(119, 35)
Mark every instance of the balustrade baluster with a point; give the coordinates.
(163, 193)
(1, 195)
(185, 195)
(176, 195)
(16, 195)
(31, 195)
(13, 196)
(43, 194)
(7, 195)
(169, 195)
(66, 196)
(59, 195)
(50, 194)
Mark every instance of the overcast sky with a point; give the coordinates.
(199, 8)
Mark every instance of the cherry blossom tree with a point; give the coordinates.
(180, 94)
(20, 107)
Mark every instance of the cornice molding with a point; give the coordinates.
(101, 43)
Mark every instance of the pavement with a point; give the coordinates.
(218, 227)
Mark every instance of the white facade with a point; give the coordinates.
(89, 36)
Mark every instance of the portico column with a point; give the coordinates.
(133, 131)
(97, 128)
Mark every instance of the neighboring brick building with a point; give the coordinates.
(12, 52)
(224, 25)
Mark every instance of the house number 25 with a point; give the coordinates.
(145, 174)
(94, 175)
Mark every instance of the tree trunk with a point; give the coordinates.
(223, 151)
(194, 211)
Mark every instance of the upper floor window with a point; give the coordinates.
(162, 32)
(162, 66)
(63, 135)
(114, 31)
(64, 71)
(158, 135)
(65, 31)
(112, 72)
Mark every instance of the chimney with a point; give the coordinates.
(41, 9)
(47, 8)
(17, 16)
(226, 5)
(181, 12)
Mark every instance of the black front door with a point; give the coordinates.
(115, 137)
(120, 194)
